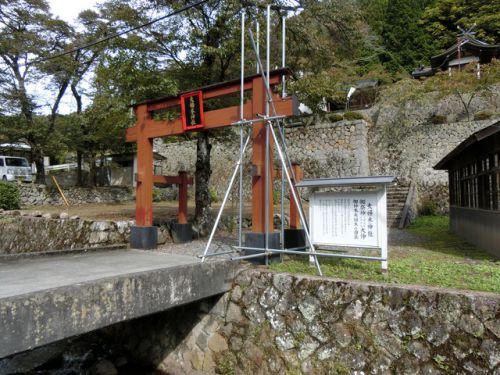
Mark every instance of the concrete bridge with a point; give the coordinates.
(46, 299)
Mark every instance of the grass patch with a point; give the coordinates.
(430, 256)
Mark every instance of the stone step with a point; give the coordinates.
(395, 204)
(399, 196)
(396, 199)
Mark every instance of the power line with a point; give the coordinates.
(116, 35)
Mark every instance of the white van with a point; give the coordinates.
(14, 168)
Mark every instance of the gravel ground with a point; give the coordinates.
(197, 247)
(225, 242)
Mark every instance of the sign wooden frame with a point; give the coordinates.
(191, 123)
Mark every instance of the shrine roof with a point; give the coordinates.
(347, 181)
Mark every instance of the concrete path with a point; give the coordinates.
(45, 299)
(34, 274)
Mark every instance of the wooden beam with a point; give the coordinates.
(213, 119)
(183, 197)
(215, 90)
(171, 180)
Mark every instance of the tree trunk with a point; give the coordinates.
(79, 174)
(40, 170)
(79, 154)
(92, 173)
(40, 167)
(203, 219)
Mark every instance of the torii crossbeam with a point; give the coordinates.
(144, 234)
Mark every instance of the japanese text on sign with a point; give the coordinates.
(348, 219)
(192, 111)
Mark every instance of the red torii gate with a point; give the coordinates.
(144, 234)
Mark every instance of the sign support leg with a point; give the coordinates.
(383, 229)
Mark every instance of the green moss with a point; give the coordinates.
(441, 363)
(299, 338)
(427, 207)
(213, 195)
(257, 330)
(226, 365)
(334, 117)
(483, 115)
(350, 116)
(336, 368)
(156, 194)
(6, 220)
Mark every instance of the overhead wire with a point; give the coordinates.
(116, 35)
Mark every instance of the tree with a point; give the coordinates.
(82, 62)
(28, 32)
(408, 44)
(441, 19)
(197, 48)
(324, 35)
(125, 73)
(374, 13)
(213, 32)
(332, 44)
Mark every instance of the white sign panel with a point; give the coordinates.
(348, 218)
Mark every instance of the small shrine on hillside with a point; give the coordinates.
(467, 50)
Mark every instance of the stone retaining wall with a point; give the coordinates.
(345, 148)
(275, 323)
(323, 149)
(283, 324)
(36, 195)
(32, 232)
(411, 152)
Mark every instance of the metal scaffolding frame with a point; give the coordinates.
(274, 132)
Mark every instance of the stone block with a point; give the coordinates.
(234, 313)
(295, 238)
(258, 240)
(217, 343)
(197, 359)
(208, 363)
(182, 233)
(144, 238)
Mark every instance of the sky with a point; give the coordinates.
(68, 10)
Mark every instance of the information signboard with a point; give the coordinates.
(345, 219)
(192, 111)
(350, 219)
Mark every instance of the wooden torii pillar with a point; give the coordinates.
(144, 234)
